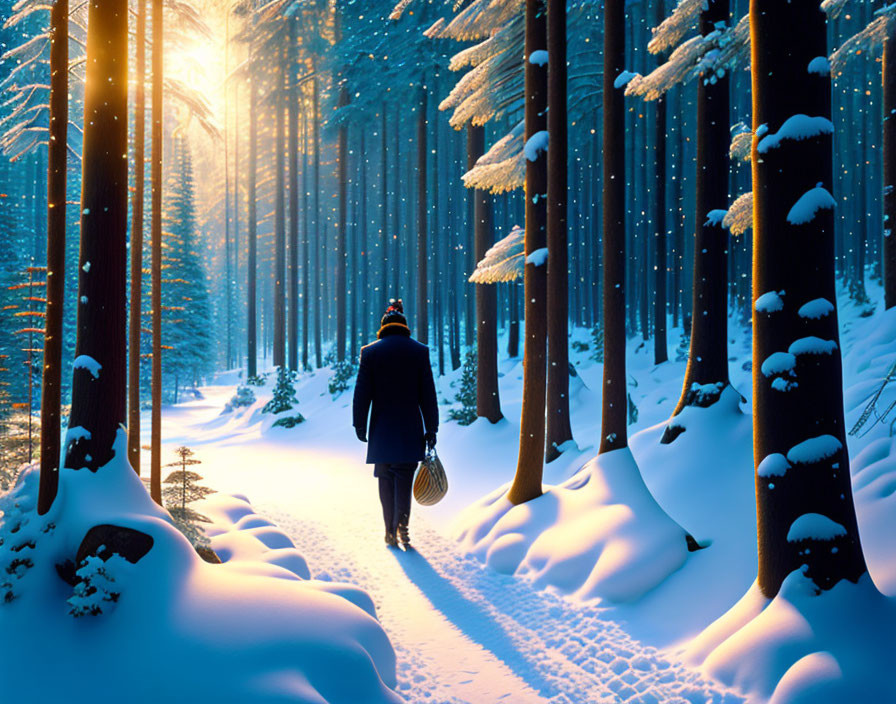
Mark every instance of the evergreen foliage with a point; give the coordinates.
(284, 397)
(343, 373)
(186, 308)
(180, 489)
(597, 339)
(243, 397)
(466, 394)
(95, 589)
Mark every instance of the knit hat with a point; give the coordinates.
(394, 320)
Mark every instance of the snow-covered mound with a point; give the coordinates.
(803, 647)
(599, 534)
(168, 626)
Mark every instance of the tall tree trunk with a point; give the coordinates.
(422, 322)
(889, 161)
(293, 98)
(306, 245)
(384, 215)
(252, 263)
(341, 251)
(660, 345)
(799, 439)
(527, 481)
(99, 381)
(228, 273)
(279, 293)
(559, 430)
(50, 451)
(155, 467)
(364, 246)
(614, 419)
(315, 209)
(488, 402)
(708, 355)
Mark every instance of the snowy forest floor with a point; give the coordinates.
(464, 633)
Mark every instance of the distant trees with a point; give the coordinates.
(804, 498)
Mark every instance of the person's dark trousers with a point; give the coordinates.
(396, 482)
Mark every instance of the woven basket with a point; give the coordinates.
(431, 484)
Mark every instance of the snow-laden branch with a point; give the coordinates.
(504, 261)
(677, 26)
(871, 38)
(739, 217)
(503, 167)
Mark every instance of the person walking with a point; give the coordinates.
(396, 389)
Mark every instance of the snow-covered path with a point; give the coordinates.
(462, 633)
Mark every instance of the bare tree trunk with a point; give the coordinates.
(155, 468)
(341, 231)
(527, 481)
(488, 402)
(315, 209)
(422, 322)
(252, 263)
(660, 269)
(279, 293)
(889, 161)
(800, 453)
(614, 419)
(99, 382)
(559, 430)
(50, 451)
(384, 215)
(708, 355)
(292, 97)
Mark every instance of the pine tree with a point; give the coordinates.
(466, 394)
(181, 488)
(185, 299)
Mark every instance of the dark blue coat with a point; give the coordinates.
(395, 378)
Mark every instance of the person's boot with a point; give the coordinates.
(404, 535)
(390, 539)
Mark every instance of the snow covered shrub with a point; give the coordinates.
(19, 533)
(96, 588)
(256, 380)
(289, 421)
(597, 337)
(684, 344)
(244, 397)
(284, 397)
(466, 395)
(579, 346)
(343, 373)
(182, 489)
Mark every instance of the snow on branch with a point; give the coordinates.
(481, 18)
(741, 143)
(869, 39)
(678, 69)
(833, 8)
(676, 26)
(503, 167)
(504, 261)
(739, 217)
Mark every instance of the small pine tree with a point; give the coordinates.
(684, 346)
(466, 395)
(597, 338)
(284, 397)
(244, 397)
(343, 372)
(181, 489)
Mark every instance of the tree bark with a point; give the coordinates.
(155, 468)
(889, 162)
(384, 215)
(315, 209)
(293, 151)
(51, 391)
(660, 344)
(527, 481)
(99, 381)
(422, 322)
(252, 225)
(708, 354)
(341, 230)
(559, 430)
(803, 400)
(279, 294)
(488, 402)
(614, 419)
